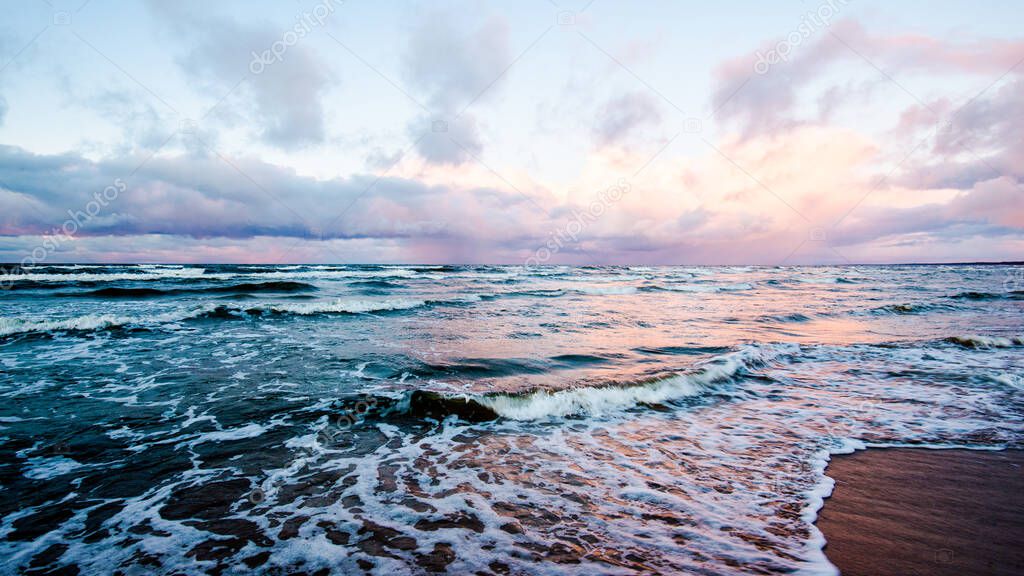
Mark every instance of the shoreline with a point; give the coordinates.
(927, 511)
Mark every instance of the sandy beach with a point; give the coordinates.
(926, 512)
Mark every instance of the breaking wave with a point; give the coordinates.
(605, 290)
(600, 400)
(1011, 294)
(147, 274)
(700, 288)
(909, 309)
(974, 341)
(339, 306)
(243, 288)
(94, 322)
(975, 296)
(586, 401)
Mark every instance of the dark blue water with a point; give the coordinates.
(481, 419)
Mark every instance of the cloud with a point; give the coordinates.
(142, 126)
(956, 175)
(284, 94)
(204, 197)
(719, 215)
(992, 209)
(976, 142)
(760, 97)
(453, 70)
(450, 142)
(625, 116)
(4, 49)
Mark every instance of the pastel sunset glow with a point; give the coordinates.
(814, 132)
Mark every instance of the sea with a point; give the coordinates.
(409, 419)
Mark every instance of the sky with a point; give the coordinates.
(529, 132)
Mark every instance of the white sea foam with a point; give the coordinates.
(1010, 379)
(40, 468)
(248, 431)
(814, 499)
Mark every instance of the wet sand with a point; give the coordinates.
(926, 512)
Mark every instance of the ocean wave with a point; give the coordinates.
(243, 288)
(250, 287)
(10, 326)
(149, 274)
(681, 350)
(19, 277)
(785, 318)
(605, 290)
(94, 322)
(337, 306)
(701, 288)
(826, 280)
(417, 405)
(915, 308)
(1009, 379)
(498, 367)
(698, 288)
(699, 271)
(120, 293)
(592, 401)
(1011, 294)
(600, 400)
(538, 293)
(344, 274)
(341, 306)
(735, 287)
(374, 284)
(975, 341)
(975, 296)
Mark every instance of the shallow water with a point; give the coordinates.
(397, 419)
